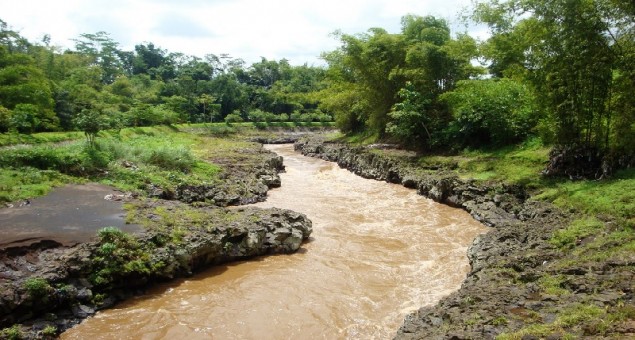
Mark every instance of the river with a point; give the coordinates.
(377, 252)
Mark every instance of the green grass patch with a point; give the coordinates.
(129, 159)
(360, 138)
(553, 285)
(577, 320)
(22, 183)
(614, 197)
(616, 246)
(520, 164)
(577, 230)
(7, 139)
(516, 164)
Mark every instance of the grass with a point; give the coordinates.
(577, 320)
(7, 139)
(22, 183)
(130, 159)
(616, 246)
(576, 231)
(516, 164)
(614, 197)
(553, 285)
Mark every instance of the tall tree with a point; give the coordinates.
(575, 52)
(104, 52)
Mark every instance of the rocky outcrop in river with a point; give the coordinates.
(517, 278)
(64, 285)
(46, 287)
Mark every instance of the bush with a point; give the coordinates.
(64, 159)
(12, 333)
(49, 331)
(112, 235)
(317, 116)
(118, 255)
(492, 111)
(233, 118)
(258, 115)
(171, 158)
(37, 287)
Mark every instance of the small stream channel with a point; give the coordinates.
(378, 251)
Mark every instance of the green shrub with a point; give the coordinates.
(49, 331)
(492, 111)
(167, 158)
(233, 118)
(119, 254)
(12, 333)
(112, 235)
(37, 287)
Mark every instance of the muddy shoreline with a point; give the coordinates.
(504, 291)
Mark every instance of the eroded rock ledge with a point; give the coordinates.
(49, 286)
(504, 291)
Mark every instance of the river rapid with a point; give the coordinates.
(377, 251)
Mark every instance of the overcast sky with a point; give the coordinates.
(249, 29)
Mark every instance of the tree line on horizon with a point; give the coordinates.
(559, 70)
(98, 85)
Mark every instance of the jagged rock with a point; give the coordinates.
(82, 311)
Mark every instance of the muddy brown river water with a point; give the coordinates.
(378, 251)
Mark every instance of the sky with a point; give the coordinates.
(249, 29)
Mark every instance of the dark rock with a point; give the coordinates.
(82, 311)
(84, 294)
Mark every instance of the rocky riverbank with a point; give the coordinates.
(44, 286)
(521, 285)
(47, 287)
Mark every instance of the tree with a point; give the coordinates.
(104, 52)
(25, 90)
(409, 121)
(490, 112)
(5, 119)
(575, 53)
(363, 70)
(367, 78)
(207, 102)
(91, 122)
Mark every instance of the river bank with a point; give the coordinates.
(48, 285)
(523, 282)
(539, 273)
(357, 278)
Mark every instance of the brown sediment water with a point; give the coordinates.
(70, 214)
(378, 251)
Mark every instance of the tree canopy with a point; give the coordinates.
(43, 88)
(561, 70)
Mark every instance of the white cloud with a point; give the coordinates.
(249, 29)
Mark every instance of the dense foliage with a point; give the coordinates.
(579, 57)
(389, 84)
(559, 70)
(97, 86)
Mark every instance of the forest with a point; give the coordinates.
(559, 72)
